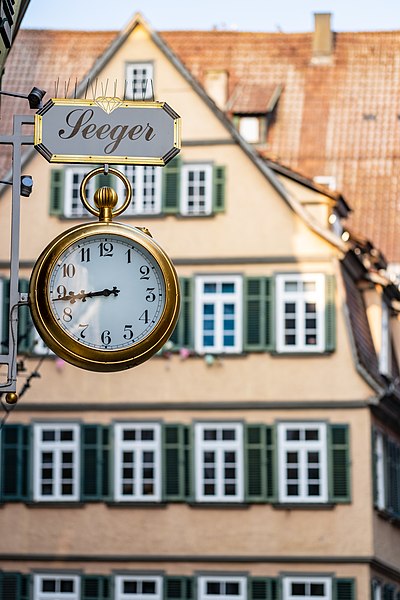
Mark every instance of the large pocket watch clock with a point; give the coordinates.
(104, 296)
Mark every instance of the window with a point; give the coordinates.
(219, 462)
(56, 462)
(249, 129)
(139, 81)
(218, 314)
(146, 189)
(300, 313)
(310, 588)
(387, 474)
(221, 588)
(137, 462)
(386, 346)
(138, 588)
(196, 189)
(328, 180)
(302, 462)
(73, 206)
(56, 587)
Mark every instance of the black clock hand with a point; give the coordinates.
(105, 292)
(82, 295)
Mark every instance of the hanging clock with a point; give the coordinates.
(104, 296)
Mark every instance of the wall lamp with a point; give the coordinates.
(25, 186)
(34, 97)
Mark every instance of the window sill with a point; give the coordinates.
(134, 504)
(55, 504)
(304, 506)
(393, 519)
(219, 504)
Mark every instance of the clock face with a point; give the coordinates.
(106, 291)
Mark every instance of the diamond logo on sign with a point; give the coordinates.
(107, 130)
(108, 104)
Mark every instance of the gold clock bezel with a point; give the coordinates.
(63, 344)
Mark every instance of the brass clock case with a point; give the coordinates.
(71, 350)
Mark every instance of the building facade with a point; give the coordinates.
(257, 457)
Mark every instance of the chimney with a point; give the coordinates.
(216, 86)
(322, 39)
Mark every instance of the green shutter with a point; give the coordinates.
(271, 463)
(344, 589)
(15, 462)
(57, 192)
(218, 189)
(178, 588)
(392, 471)
(95, 472)
(14, 586)
(255, 460)
(263, 588)
(339, 463)
(330, 314)
(258, 317)
(26, 328)
(95, 587)
(5, 315)
(175, 455)
(182, 336)
(171, 186)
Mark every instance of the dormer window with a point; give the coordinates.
(139, 81)
(249, 129)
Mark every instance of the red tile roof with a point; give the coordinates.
(340, 119)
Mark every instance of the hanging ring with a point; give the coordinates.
(121, 176)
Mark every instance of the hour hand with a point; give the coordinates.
(105, 292)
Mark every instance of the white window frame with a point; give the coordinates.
(385, 349)
(219, 447)
(207, 168)
(380, 472)
(39, 595)
(39, 347)
(138, 447)
(56, 447)
(328, 180)
(121, 595)
(302, 447)
(135, 92)
(203, 580)
(137, 205)
(68, 210)
(300, 299)
(250, 129)
(377, 590)
(287, 582)
(218, 299)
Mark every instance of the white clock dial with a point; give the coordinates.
(106, 292)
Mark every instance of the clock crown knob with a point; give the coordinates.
(105, 199)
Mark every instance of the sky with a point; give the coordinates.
(244, 15)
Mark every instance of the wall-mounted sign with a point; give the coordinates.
(107, 130)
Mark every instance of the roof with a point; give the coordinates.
(339, 119)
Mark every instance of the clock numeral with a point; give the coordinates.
(85, 254)
(68, 270)
(144, 270)
(128, 335)
(151, 295)
(129, 256)
(67, 314)
(84, 327)
(106, 249)
(145, 316)
(61, 291)
(106, 337)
